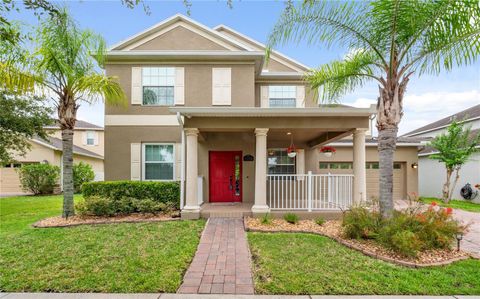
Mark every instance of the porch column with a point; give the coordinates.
(359, 172)
(191, 210)
(260, 206)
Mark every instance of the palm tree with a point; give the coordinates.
(388, 42)
(65, 65)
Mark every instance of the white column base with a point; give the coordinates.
(190, 212)
(260, 209)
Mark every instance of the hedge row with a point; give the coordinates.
(164, 192)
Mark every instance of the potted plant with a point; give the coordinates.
(328, 151)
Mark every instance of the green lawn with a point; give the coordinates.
(454, 203)
(143, 257)
(310, 264)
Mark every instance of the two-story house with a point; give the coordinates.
(432, 173)
(206, 108)
(88, 147)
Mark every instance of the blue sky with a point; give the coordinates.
(428, 98)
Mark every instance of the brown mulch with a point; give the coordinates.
(333, 230)
(58, 221)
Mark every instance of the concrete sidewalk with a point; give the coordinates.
(202, 296)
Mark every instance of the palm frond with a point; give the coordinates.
(327, 22)
(342, 76)
(15, 80)
(93, 86)
(452, 40)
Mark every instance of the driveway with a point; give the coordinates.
(471, 240)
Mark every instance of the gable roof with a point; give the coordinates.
(56, 144)
(229, 40)
(131, 41)
(80, 124)
(467, 114)
(284, 59)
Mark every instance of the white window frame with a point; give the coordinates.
(282, 164)
(173, 86)
(144, 156)
(282, 86)
(93, 138)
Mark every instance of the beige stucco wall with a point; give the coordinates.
(117, 147)
(405, 155)
(198, 87)
(78, 140)
(229, 141)
(37, 153)
(180, 38)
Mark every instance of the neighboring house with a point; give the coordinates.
(210, 98)
(88, 147)
(432, 173)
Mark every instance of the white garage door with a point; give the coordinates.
(399, 190)
(9, 180)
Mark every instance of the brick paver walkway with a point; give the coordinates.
(222, 262)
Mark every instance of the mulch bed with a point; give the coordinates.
(333, 230)
(58, 221)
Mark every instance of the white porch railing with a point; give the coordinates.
(309, 191)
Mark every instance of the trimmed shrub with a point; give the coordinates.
(82, 173)
(102, 206)
(96, 206)
(39, 178)
(160, 192)
(291, 218)
(320, 221)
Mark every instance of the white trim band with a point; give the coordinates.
(141, 120)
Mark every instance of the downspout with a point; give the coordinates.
(182, 169)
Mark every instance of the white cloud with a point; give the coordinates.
(363, 103)
(425, 108)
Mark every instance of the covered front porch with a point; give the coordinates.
(236, 159)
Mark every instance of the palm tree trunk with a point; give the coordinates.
(67, 112)
(387, 142)
(67, 146)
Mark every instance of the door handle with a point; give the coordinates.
(231, 184)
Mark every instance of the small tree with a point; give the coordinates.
(82, 173)
(454, 148)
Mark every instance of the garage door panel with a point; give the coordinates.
(10, 181)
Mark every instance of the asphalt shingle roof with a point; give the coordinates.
(79, 124)
(469, 113)
(57, 144)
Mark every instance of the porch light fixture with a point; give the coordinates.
(415, 165)
(291, 150)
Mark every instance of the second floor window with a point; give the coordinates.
(158, 85)
(282, 96)
(90, 138)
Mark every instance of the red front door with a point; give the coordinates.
(225, 173)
